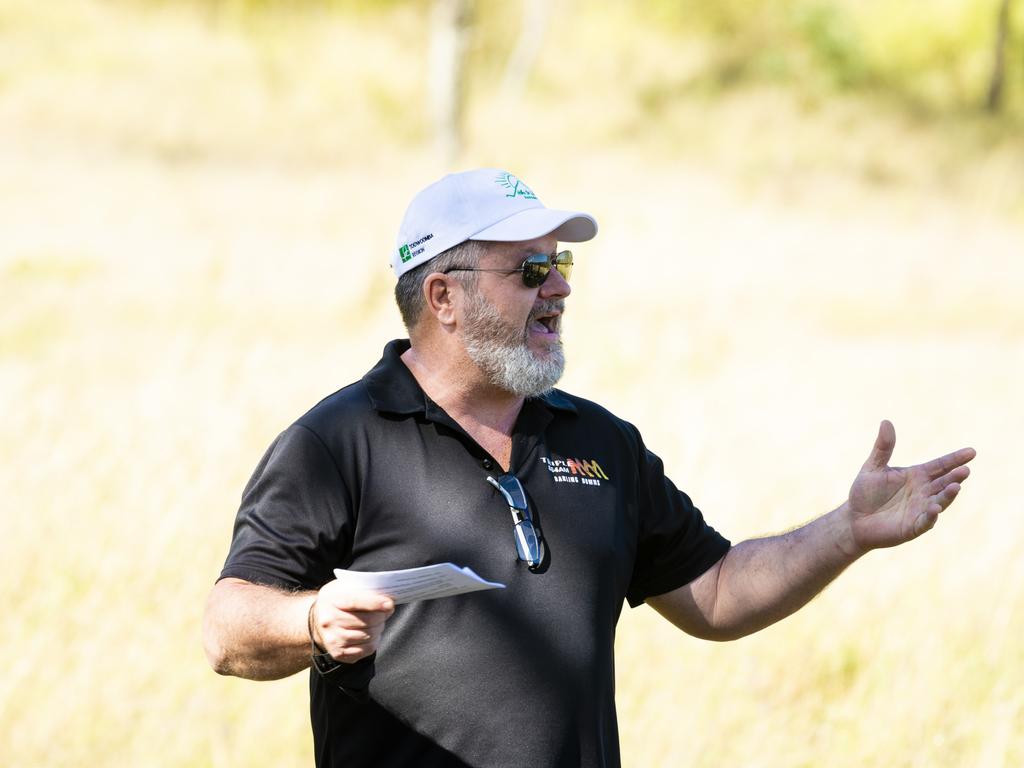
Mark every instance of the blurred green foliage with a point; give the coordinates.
(834, 43)
(935, 55)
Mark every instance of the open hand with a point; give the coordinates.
(892, 505)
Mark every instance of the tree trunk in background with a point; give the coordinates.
(448, 28)
(528, 45)
(995, 87)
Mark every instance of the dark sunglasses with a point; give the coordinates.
(529, 543)
(535, 268)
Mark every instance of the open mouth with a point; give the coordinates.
(547, 323)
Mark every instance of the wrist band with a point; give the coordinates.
(314, 648)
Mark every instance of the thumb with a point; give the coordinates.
(881, 452)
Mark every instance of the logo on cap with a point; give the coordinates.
(406, 252)
(516, 187)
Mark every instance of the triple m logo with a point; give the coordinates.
(579, 471)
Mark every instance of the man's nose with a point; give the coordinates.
(554, 286)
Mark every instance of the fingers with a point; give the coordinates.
(348, 625)
(925, 522)
(352, 644)
(343, 599)
(354, 637)
(941, 493)
(944, 464)
(927, 519)
(881, 452)
(955, 475)
(945, 498)
(885, 442)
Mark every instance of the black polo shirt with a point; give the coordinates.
(379, 477)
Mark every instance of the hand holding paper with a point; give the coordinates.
(411, 584)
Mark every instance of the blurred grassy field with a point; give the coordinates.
(196, 211)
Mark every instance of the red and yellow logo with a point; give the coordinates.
(579, 471)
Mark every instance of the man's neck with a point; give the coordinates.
(454, 382)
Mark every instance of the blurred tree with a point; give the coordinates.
(453, 22)
(448, 30)
(995, 88)
(528, 45)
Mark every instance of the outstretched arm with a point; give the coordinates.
(761, 581)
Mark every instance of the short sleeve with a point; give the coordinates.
(294, 525)
(675, 544)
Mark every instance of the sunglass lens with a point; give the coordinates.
(527, 545)
(514, 493)
(563, 263)
(535, 270)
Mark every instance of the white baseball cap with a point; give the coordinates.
(484, 204)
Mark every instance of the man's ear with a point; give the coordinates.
(437, 291)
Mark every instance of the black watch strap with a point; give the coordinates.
(325, 664)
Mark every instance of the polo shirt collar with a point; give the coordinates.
(393, 389)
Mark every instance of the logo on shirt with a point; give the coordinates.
(579, 471)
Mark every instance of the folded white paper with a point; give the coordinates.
(411, 584)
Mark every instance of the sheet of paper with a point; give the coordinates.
(411, 584)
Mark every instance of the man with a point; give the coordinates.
(422, 462)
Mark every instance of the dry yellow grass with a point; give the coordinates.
(193, 240)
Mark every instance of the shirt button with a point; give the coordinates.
(488, 464)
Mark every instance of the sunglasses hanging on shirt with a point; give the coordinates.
(529, 543)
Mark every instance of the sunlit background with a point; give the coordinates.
(812, 218)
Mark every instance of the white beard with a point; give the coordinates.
(502, 352)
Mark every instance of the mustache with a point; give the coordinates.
(546, 307)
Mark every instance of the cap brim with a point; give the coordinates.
(567, 226)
